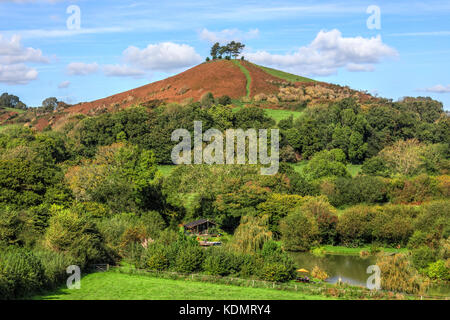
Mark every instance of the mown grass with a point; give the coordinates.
(166, 169)
(247, 75)
(119, 286)
(276, 114)
(279, 114)
(355, 251)
(284, 75)
(354, 169)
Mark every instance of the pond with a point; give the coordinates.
(350, 269)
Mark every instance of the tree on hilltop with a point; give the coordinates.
(215, 50)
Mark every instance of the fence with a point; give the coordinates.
(339, 291)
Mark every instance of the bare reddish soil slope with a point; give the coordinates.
(260, 80)
(218, 77)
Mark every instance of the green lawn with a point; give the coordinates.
(354, 169)
(118, 286)
(279, 114)
(285, 75)
(356, 251)
(166, 169)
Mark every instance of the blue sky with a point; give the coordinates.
(120, 45)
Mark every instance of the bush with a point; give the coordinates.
(422, 257)
(55, 265)
(207, 99)
(417, 240)
(21, 273)
(190, 259)
(397, 274)
(435, 219)
(76, 236)
(438, 270)
(10, 227)
(287, 154)
(414, 190)
(361, 189)
(157, 259)
(375, 166)
(354, 225)
(276, 271)
(319, 273)
(299, 231)
(392, 225)
(224, 100)
(217, 262)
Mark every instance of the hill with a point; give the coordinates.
(240, 80)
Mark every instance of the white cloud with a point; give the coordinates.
(117, 70)
(165, 56)
(81, 68)
(64, 84)
(437, 89)
(13, 57)
(227, 35)
(328, 52)
(17, 74)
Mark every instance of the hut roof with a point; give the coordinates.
(197, 222)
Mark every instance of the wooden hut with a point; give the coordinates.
(199, 226)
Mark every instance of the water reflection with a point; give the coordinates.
(351, 269)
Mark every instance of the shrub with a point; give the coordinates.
(422, 257)
(224, 100)
(361, 189)
(399, 275)
(287, 154)
(375, 166)
(10, 227)
(319, 273)
(189, 259)
(417, 239)
(438, 270)
(392, 225)
(414, 190)
(76, 236)
(270, 248)
(276, 271)
(217, 262)
(207, 99)
(299, 231)
(21, 273)
(54, 265)
(435, 219)
(354, 225)
(157, 259)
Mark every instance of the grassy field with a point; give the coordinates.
(356, 251)
(118, 286)
(354, 169)
(247, 75)
(285, 75)
(279, 114)
(166, 169)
